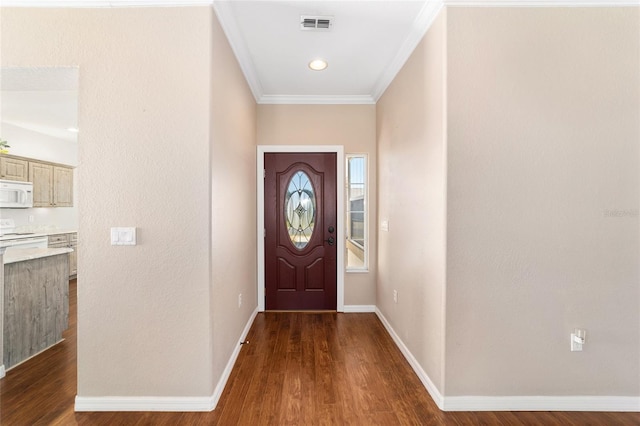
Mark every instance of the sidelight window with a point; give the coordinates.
(300, 209)
(356, 212)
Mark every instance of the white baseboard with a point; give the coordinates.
(542, 403)
(177, 403)
(359, 308)
(422, 375)
(512, 403)
(451, 403)
(2, 372)
(142, 403)
(217, 392)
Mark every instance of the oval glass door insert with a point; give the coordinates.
(300, 209)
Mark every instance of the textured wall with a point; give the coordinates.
(543, 140)
(144, 114)
(352, 126)
(411, 190)
(233, 200)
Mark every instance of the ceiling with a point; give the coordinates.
(365, 47)
(40, 101)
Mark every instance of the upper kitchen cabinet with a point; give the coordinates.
(52, 184)
(42, 177)
(14, 169)
(62, 186)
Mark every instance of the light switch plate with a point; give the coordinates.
(384, 225)
(123, 236)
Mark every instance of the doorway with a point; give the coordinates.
(305, 241)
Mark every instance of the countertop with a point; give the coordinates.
(37, 234)
(22, 254)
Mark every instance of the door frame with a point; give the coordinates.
(339, 151)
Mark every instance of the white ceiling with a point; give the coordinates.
(40, 101)
(367, 45)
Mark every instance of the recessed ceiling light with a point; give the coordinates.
(318, 64)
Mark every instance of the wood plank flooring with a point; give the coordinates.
(298, 369)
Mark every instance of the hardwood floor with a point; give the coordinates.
(298, 369)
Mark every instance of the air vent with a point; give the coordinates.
(316, 23)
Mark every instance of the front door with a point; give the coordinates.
(300, 223)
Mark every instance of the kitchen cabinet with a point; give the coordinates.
(52, 184)
(42, 177)
(71, 241)
(36, 304)
(14, 169)
(62, 186)
(73, 256)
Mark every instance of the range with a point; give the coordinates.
(10, 239)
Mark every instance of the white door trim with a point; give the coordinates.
(339, 151)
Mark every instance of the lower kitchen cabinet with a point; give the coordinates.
(36, 306)
(73, 256)
(67, 240)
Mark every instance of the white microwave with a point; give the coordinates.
(16, 195)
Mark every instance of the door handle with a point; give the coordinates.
(331, 241)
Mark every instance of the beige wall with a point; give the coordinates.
(233, 201)
(543, 139)
(352, 126)
(542, 111)
(411, 189)
(144, 118)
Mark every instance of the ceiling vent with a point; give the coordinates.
(316, 23)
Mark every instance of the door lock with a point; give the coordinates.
(332, 229)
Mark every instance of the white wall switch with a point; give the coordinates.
(123, 236)
(384, 225)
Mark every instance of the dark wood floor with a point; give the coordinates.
(298, 369)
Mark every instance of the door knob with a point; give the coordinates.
(331, 241)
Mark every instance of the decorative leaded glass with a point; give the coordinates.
(300, 209)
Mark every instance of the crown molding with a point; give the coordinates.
(104, 3)
(420, 26)
(541, 3)
(317, 99)
(234, 37)
(429, 5)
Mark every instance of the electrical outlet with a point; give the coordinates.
(240, 300)
(578, 339)
(395, 296)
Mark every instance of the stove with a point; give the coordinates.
(11, 239)
(7, 227)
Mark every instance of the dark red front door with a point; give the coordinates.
(301, 234)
